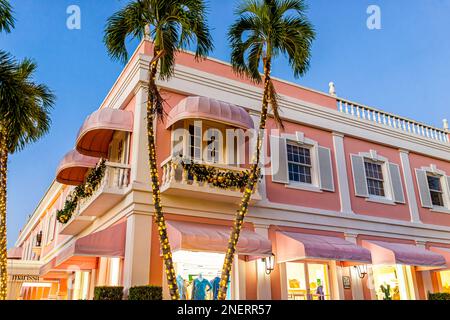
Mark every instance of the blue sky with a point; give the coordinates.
(402, 68)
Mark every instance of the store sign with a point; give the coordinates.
(24, 277)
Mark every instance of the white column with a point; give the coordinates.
(337, 287)
(139, 156)
(284, 281)
(409, 185)
(137, 251)
(264, 290)
(342, 175)
(426, 275)
(357, 285)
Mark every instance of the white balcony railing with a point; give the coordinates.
(175, 176)
(392, 121)
(117, 177)
(110, 191)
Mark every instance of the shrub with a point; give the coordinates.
(438, 296)
(145, 293)
(108, 293)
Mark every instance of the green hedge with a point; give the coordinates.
(108, 293)
(145, 293)
(438, 296)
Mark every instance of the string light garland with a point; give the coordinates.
(83, 191)
(154, 106)
(215, 177)
(3, 240)
(255, 172)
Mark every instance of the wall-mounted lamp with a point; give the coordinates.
(362, 270)
(269, 263)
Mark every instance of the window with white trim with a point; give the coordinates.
(299, 164)
(375, 178)
(436, 191)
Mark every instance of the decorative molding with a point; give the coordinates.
(409, 185)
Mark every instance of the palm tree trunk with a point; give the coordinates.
(158, 213)
(252, 181)
(3, 244)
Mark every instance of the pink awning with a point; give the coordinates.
(445, 252)
(106, 243)
(210, 109)
(191, 236)
(97, 131)
(15, 253)
(292, 246)
(73, 167)
(398, 253)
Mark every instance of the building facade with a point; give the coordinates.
(352, 200)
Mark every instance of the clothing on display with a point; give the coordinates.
(200, 288)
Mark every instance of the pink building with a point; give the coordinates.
(353, 198)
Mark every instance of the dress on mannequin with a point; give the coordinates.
(200, 287)
(215, 287)
(181, 287)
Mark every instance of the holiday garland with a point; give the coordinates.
(216, 177)
(83, 191)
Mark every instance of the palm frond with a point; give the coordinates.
(6, 16)
(24, 105)
(130, 21)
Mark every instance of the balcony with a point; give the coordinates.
(176, 182)
(110, 192)
(394, 122)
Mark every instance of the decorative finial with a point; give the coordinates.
(332, 90)
(445, 121)
(147, 32)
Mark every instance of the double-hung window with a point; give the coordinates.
(195, 142)
(375, 179)
(299, 164)
(436, 193)
(213, 147)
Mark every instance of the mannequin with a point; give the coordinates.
(181, 287)
(200, 287)
(215, 285)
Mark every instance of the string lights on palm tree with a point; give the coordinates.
(264, 30)
(172, 25)
(24, 118)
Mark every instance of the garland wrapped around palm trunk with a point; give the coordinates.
(83, 191)
(215, 177)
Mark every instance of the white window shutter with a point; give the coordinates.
(279, 164)
(359, 176)
(326, 170)
(396, 182)
(424, 189)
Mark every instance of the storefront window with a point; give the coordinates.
(445, 281)
(308, 281)
(114, 272)
(393, 282)
(198, 274)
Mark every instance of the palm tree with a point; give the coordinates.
(173, 26)
(264, 30)
(24, 118)
(6, 17)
